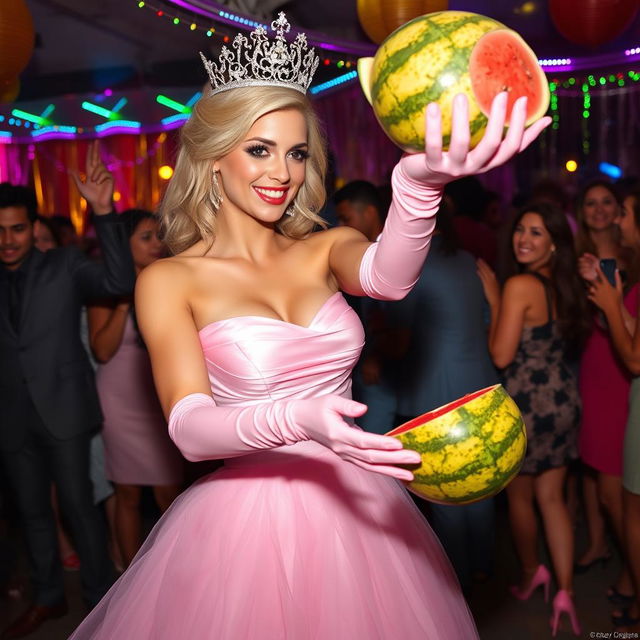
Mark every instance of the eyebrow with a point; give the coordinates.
(271, 143)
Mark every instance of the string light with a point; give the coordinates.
(553, 103)
(209, 30)
(555, 62)
(352, 75)
(586, 112)
(571, 166)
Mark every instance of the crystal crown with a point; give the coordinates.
(259, 61)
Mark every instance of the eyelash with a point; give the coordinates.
(257, 150)
(260, 151)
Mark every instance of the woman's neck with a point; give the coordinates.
(239, 235)
(605, 242)
(544, 270)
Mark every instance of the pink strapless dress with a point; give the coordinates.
(291, 542)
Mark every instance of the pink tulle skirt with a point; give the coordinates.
(294, 544)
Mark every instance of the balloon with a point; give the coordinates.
(9, 90)
(592, 22)
(16, 38)
(379, 18)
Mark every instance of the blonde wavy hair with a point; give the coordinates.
(217, 125)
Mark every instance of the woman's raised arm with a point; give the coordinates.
(389, 268)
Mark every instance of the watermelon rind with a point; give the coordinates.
(469, 452)
(365, 66)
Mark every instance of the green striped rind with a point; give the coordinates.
(426, 60)
(469, 453)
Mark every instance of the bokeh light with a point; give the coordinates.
(165, 172)
(571, 166)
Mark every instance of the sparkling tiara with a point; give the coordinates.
(259, 61)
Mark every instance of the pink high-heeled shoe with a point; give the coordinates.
(540, 577)
(562, 603)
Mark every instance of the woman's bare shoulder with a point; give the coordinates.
(523, 284)
(329, 237)
(166, 276)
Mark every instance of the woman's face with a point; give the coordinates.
(630, 235)
(42, 237)
(146, 246)
(262, 175)
(532, 243)
(599, 209)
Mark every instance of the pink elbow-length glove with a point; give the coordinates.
(390, 267)
(204, 431)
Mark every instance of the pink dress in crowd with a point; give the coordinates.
(604, 388)
(292, 542)
(138, 449)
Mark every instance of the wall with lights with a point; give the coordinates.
(595, 106)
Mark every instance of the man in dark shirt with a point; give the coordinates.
(47, 391)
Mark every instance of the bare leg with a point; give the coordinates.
(524, 525)
(549, 490)
(165, 495)
(128, 521)
(595, 520)
(610, 493)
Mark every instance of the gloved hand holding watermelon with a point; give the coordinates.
(435, 57)
(471, 448)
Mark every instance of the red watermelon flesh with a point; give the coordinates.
(502, 61)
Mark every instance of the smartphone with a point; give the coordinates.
(608, 266)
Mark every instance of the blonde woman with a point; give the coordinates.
(305, 532)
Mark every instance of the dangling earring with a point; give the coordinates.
(290, 210)
(216, 197)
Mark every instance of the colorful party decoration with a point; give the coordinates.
(16, 38)
(379, 18)
(592, 22)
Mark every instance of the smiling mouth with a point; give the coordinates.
(272, 195)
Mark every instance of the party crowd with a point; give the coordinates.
(539, 294)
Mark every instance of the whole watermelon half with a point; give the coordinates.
(436, 56)
(471, 448)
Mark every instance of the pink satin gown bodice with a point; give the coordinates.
(253, 359)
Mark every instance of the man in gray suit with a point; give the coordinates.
(49, 401)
